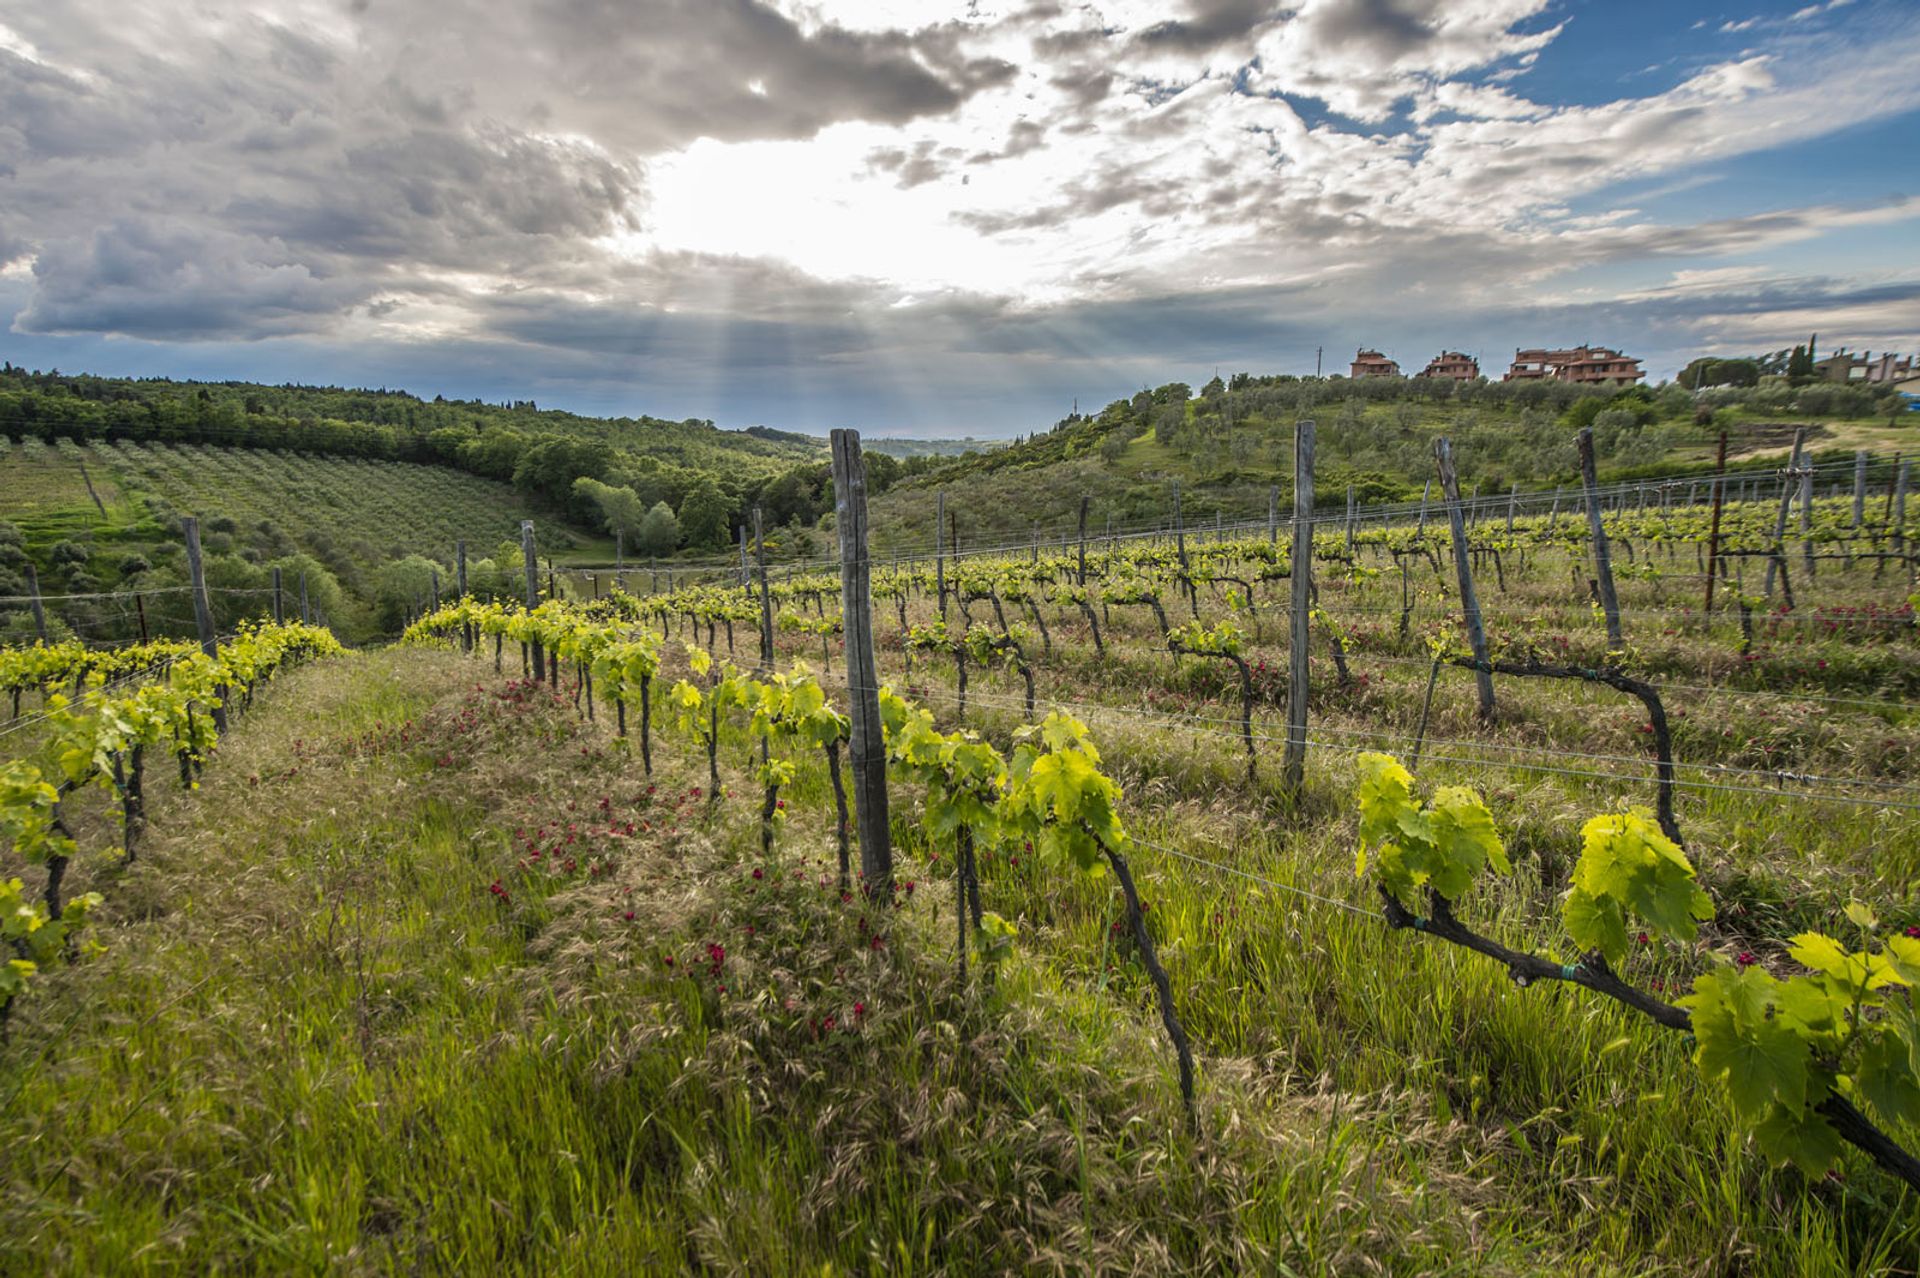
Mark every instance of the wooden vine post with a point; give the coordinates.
(203, 613)
(1900, 507)
(1806, 518)
(278, 615)
(1273, 514)
(1778, 558)
(867, 747)
(39, 610)
(940, 548)
(766, 601)
(1713, 537)
(467, 636)
(1084, 499)
(1294, 765)
(1463, 567)
(1602, 561)
(533, 591)
(1859, 486)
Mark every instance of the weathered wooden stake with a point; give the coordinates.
(1597, 530)
(1859, 486)
(1294, 768)
(1084, 500)
(1463, 567)
(278, 617)
(1713, 536)
(940, 549)
(533, 591)
(766, 600)
(867, 749)
(203, 612)
(39, 610)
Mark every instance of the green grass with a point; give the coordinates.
(318, 1042)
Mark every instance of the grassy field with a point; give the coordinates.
(1383, 448)
(349, 517)
(321, 1039)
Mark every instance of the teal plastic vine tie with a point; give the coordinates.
(1567, 972)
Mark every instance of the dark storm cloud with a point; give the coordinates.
(256, 169)
(179, 281)
(1212, 23)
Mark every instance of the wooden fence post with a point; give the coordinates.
(1900, 506)
(306, 613)
(533, 592)
(39, 610)
(1294, 768)
(1713, 537)
(867, 749)
(203, 613)
(1859, 486)
(1273, 514)
(940, 548)
(766, 600)
(1597, 529)
(1806, 519)
(279, 618)
(1084, 500)
(1463, 567)
(1786, 504)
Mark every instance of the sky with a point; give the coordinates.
(921, 218)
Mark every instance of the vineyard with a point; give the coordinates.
(1521, 884)
(111, 511)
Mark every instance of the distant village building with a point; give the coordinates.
(1593, 365)
(1453, 366)
(1374, 364)
(1843, 366)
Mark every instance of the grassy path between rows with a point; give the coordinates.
(350, 1022)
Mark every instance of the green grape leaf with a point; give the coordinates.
(1759, 1059)
(1887, 1079)
(1862, 915)
(1595, 923)
(1807, 1140)
(1903, 958)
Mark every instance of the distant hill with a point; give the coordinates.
(905, 448)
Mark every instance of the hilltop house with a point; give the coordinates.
(1592, 365)
(1373, 364)
(1843, 366)
(1453, 366)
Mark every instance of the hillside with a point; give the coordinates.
(105, 519)
(1230, 444)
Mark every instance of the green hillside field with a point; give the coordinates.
(358, 528)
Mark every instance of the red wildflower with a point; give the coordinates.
(1746, 958)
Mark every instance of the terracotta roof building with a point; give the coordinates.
(1374, 364)
(1453, 366)
(1594, 365)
